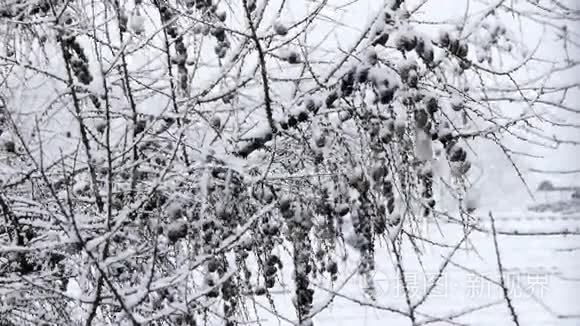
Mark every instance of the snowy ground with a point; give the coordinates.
(541, 272)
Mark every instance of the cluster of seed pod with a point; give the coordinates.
(493, 34)
(180, 58)
(199, 4)
(380, 35)
(177, 230)
(325, 207)
(123, 21)
(76, 58)
(409, 74)
(455, 153)
(176, 227)
(422, 119)
(409, 42)
(362, 221)
(210, 283)
(328, 230)
(309, 107)
(230, 295)
(280, 28)
(365, 217)
(291, 56)
(382, 132)
(270, 229)
(21, 9)
(271, 267)
(386, 90)
(347, 82)
(7, 145)
(424, 114)
(456, 47)
(303, 267)
(387, 191)
(253, 144)
(332, 268)
(211, 233)
(406, 42)
(426, 179)
(380, 38)
(210, 11)
(425, 51)
(216, 269)
(299, 224)
(384, 87)
(41, 7)
(384, 186)
(223, 44)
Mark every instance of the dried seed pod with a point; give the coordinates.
(213, 293)
(140, 126)
(432, 105)
(421, 118)
(280, 29)
(219, 33)
(458, 154)
(274, 260)
(270, 271)
(260, 291)
(293, 57)
(251, 5)
(426, 53)
(292, 122)
(464, 64)
(101, 126)
(320, 141)
(332, 267)
(216, 122)
(123, 20)
(176, 231)
(372, 57)
(391, 204)
(342, 209)
(378, 173)
(221, 15)
(386, 95)
(285, 204)
(381, 39)
(270, 282)
(331, 98)
(347, 82)
(363, 75)
(444, 39)
(10, 146)
(310, 105)
(212, 265)
(406, 43)
(463, 50)
(454, 46)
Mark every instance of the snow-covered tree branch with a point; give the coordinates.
(173, 162)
